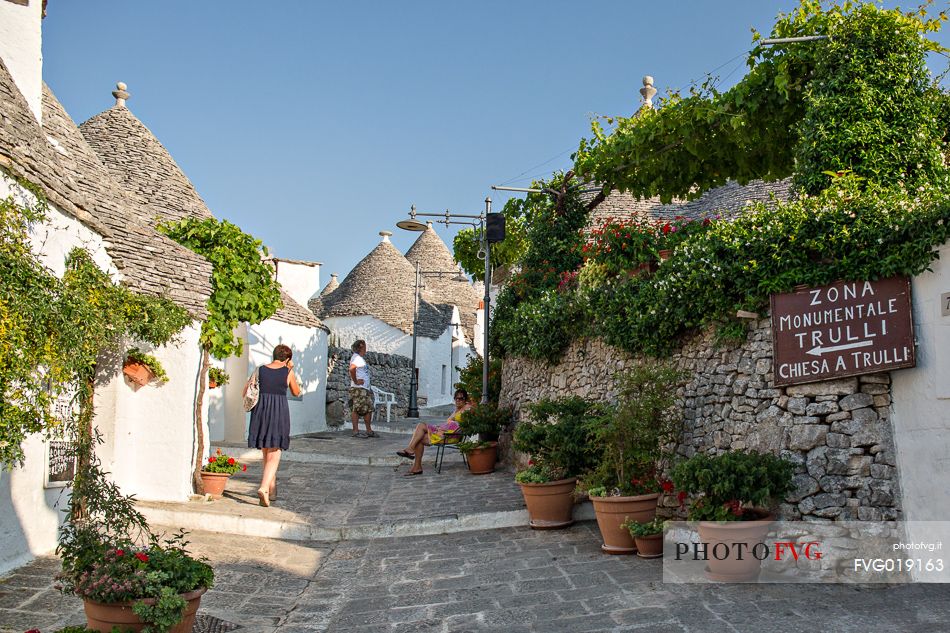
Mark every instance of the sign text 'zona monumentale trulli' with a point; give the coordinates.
(843, 329)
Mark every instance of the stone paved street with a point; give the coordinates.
(512, 580)
(455, 577)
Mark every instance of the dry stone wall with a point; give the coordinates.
(389, 372)
(838, 432)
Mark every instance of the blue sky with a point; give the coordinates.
(314, 125)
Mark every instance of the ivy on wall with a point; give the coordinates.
(53, 331)
(852, 118)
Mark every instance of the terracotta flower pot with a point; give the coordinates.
(649, 546)
(612, 512)
(481, 461)
(550, 505)
(214, 483)
(138, 373)
(212, 384)
(730, 568)
(102, 616)
(665, 254)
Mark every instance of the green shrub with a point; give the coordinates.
(731, 484)
(470, 378)
(484, 419)
(644, 529)
(557, 438)
(634, 439)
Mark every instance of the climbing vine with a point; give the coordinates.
(858, 100)
(53, 331)
(852, 118)
(243, 285)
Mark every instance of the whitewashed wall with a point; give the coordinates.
(308, 413)
(30, 515)
(149, 431)
(21, 42)
(921, 407)
(300, 281)
(449, 350)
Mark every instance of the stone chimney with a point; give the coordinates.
(386, 235)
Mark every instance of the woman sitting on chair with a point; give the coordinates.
(427, 434)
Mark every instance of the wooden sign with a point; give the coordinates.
(843, 329)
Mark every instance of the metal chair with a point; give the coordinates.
(450, 439)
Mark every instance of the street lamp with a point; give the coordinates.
(413, 411)
(486, 223)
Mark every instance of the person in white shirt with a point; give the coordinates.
(361, 398)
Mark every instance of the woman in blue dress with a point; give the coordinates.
(270, 418)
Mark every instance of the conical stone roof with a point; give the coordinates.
(144, 168)
(142, 165)
(148, 261)
(382, 285)
(315, 304)
(431, 254)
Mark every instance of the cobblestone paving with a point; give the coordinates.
(518, 580)
(257, 584)
(514, 580)
(333, 495)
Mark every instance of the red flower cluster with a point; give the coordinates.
(120, 552)
(142, 556)
(222, 463)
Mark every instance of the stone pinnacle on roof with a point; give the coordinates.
(331, 286)
(120, 94)
(141, 164)
(648, 92)
(443, 283)
(386, 235)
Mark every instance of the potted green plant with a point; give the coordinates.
(217, 378)
(635, 438)
(126, 576)
(648, 537)
(731, 497)
(142, 368)
(215, 474)
(158, 585)
(480, 456)
(556, 438)
(486, 420)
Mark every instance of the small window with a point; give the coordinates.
(445, 378)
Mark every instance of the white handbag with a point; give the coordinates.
(252, 391)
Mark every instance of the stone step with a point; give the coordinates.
(280, 527)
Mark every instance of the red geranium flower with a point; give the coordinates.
(212, 459)
(681, 497)
(230, 461)
(142, 557)
(243, 468)
(120, 552)
(667, 486)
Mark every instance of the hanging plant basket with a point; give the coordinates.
(138, 373)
